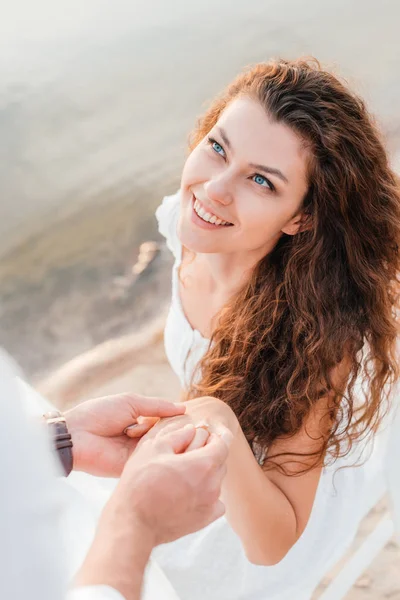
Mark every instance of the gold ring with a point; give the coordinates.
(205, 427)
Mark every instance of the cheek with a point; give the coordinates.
(262, 220)
(195, 169)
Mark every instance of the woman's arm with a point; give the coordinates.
(268, 510)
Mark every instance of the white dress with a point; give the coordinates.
(211, 563)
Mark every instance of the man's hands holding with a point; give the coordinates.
(173, 481)
(170, 487)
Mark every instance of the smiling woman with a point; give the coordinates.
(275, 317)
(250, 171)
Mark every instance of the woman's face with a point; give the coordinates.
(243, 185)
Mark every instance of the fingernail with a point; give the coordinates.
(130, 427)
(189, 426)
(179, 405)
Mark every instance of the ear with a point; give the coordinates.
(297, 224)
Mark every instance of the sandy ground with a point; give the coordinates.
(152, 375)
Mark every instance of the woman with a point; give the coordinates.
(285, 234)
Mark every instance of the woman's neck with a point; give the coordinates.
(229, 272)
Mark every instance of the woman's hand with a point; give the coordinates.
(212, 413)
(206, 413)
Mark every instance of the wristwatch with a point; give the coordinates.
(61, 439)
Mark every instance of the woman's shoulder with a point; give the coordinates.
(167, 215)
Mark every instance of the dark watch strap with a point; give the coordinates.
(61, 439)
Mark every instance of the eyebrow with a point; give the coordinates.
(269, 170)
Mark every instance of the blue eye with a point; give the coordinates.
(263, 181)
(216, 147)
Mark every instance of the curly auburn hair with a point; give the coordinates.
(325, 296)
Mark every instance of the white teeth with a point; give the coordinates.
(206, 216)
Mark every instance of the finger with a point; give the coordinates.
(161, 428)
(200, 439)
(147, 406)
(224, 433)
(168, 425)
(138, 430)
(215, 448)
(151, 420)
(177, 441)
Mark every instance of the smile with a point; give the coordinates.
(207, 216)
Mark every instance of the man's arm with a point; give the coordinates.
(135, 521)
(31, 502)
(173, 464)
(117, 558)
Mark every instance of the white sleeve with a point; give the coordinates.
(31, 503)
(95, 592)
(167, 215)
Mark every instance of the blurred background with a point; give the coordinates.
(97, 101)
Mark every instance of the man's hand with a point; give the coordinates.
(165, 492)
(100, 446)
(174, 480)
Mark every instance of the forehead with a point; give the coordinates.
(256, 138)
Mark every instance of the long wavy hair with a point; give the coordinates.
(324, 297)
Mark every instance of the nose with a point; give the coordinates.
(219, 190)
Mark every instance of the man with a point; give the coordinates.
(164, 492)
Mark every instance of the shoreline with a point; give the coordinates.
(71, 288)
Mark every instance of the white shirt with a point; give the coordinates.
(211, 563)
(31, 505)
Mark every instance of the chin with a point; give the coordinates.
(197, 242)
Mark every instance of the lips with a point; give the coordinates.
(207, 216)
